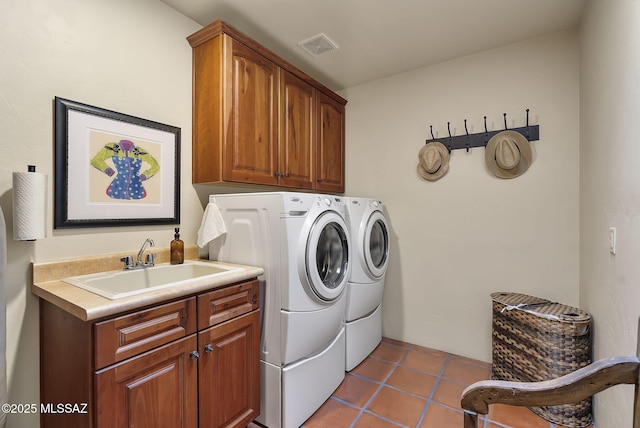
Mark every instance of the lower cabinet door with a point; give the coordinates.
(156, 389)
(229, 373)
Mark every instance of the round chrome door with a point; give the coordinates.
(327, 256)
(376, 244)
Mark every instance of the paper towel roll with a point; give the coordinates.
(29, 201)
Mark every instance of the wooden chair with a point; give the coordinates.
(571, 388)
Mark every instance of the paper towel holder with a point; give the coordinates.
(29, 208)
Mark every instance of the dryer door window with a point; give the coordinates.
(376, 245)
(328, 256)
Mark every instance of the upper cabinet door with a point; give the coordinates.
(297, 139)
(250, 152)
(330, 151)
(259, 120)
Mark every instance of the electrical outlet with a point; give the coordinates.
(612, 240)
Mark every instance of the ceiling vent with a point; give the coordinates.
(318, 44)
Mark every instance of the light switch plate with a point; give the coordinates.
(612, 240)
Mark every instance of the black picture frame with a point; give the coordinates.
(113, 169)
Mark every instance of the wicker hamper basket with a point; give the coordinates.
(535, 339)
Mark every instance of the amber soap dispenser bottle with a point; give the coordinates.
(177, 249)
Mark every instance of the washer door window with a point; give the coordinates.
(376, 245)
(327, 259)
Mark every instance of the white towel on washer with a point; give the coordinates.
(212, 225)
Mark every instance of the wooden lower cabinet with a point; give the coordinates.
(156, 389)
(230, 372)
(190, 371)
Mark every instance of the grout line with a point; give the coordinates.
(429, 400)
(381, 385)
(381, 417)
(435, 387)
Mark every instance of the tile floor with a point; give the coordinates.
(404, 385)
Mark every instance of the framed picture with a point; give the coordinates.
(112, 169)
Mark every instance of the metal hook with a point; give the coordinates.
(505, 121)
(431, 128)
(449, 128)
(467, 132)
(527, 118)
(486, 132)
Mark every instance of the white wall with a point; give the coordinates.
(127, 56)
(454, 241)
(610, 188)
(457, 240)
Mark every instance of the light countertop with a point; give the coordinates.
(48, 285)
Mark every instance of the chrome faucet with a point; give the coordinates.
(149, 260)
(144, 245)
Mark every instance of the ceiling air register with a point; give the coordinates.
(318, 44)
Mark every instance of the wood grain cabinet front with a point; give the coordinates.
(259, 120)
(230, 372)
(151, 367)
(156, 389)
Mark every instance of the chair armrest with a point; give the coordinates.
(570, 388)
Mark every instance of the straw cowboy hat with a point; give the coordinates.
(433, 161)
(508, 154)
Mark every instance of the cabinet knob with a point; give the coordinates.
(276, 174)
(285, 175)
(320, 180)
(208, 348)
(194, 355)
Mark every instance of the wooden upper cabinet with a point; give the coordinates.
(297, 139)
(251, 119)
(330, 158)
(257, 118)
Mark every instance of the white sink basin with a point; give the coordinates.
(124, 283)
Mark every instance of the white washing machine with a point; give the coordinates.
(363, 313)
(302, 242)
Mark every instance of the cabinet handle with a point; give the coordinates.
(194, 355)
(208, 348)
(285, 175)
(276, 174)
(320, 180)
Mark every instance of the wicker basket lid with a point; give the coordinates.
(540, 307)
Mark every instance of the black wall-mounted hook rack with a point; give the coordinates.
(480, 139)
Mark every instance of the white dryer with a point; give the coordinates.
(363, 314)
(302, 242)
